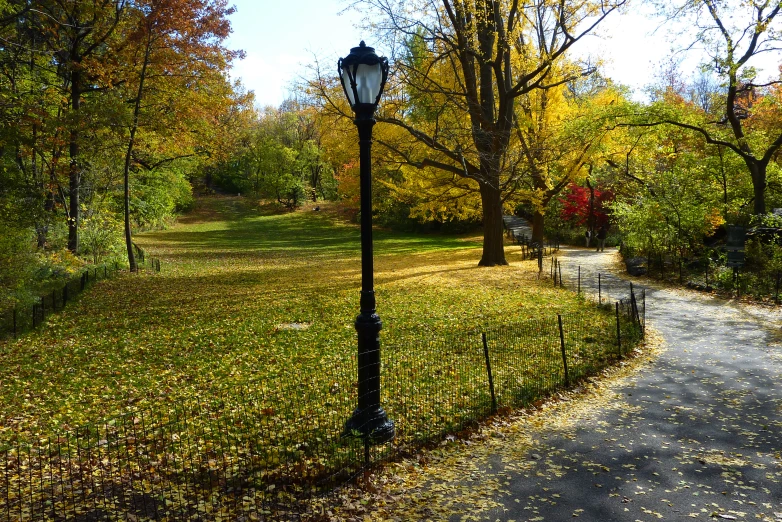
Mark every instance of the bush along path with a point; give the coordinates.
(693, 433)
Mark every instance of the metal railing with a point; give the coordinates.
(21, 319)
(276, 448)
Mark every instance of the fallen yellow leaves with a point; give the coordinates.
(450, 479)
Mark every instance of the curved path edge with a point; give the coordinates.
(697, 434)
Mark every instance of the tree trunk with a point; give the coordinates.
(128, 234)
(723, 179)
(591, 216)
(493, 241)
(129, 154)
(42, 225)
(538, 221)
(74, 185)
(758, 171)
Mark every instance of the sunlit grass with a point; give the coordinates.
(212, 323)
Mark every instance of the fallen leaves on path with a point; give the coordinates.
(451, 482)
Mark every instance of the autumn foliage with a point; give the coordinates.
(576, 206)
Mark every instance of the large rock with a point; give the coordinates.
(636, 266)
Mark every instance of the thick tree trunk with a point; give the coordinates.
(73, 203)
(493, 241)
(538, 222)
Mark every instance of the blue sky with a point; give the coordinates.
(282, 38)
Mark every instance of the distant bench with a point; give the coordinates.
(518, 230)
(529, 248)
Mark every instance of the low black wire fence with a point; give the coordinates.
(275, 450)
(603, 288)
(145, 260)
(712, 271)
(21, 319)
(519, 230)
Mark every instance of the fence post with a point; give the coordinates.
(65, 294)
(540, 261)
(579, 279)
(562, 346)
(618, 332)
(560, 276)
(488, 370)
(643, 301)
(776, 294)
(15, 334)
(54, 301)
(634, 306)
(35, 314)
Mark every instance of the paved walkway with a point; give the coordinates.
(696, 435)
(517, 226)
(694, 432)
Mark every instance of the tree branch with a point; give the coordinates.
(470, 169)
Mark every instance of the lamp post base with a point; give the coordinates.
(372, 424)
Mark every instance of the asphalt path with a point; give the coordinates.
(695, 435)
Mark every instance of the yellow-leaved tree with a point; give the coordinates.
(462, 70)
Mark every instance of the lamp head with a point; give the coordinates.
(363, 75)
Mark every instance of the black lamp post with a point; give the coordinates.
(363, 75)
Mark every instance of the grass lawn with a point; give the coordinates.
(213, 322)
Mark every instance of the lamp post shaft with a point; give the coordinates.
(369, 419)
(365, 125)
(363, 75)
(368, 323)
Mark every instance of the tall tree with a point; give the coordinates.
(559, 131)
(31, 118)
(76, 34)
(171, 46)
(733, 33)
(464, 66)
